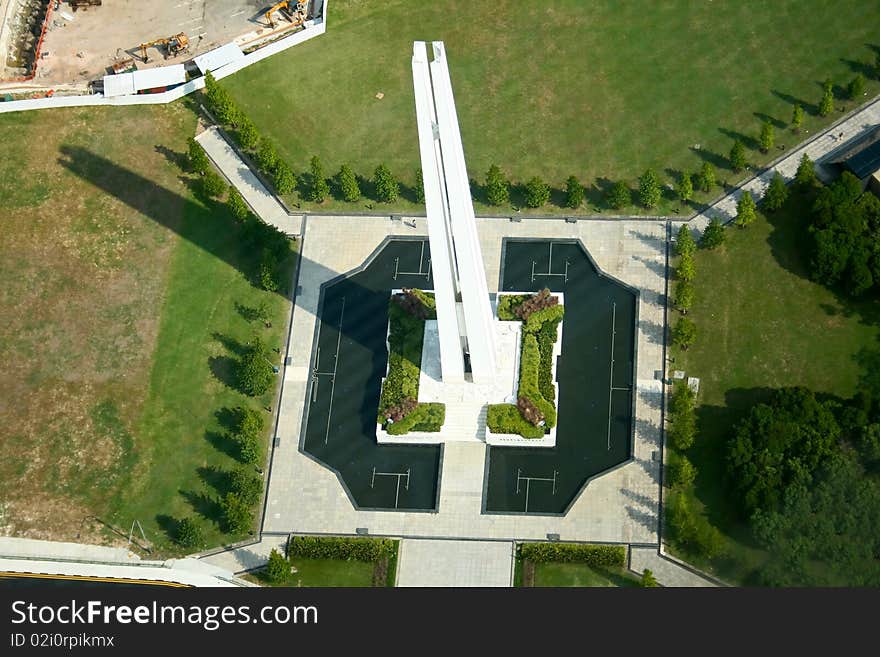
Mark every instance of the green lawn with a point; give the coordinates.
(325, 572)
(601, 90)
(762, 324)
(576, 574)
(123, 305)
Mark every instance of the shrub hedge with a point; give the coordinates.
(547, 337)
(506, 418)
(529, 365)
(405, 340)
(340, 547)
(508, 303)
(427, 416)
(602, 556)
(537, 319)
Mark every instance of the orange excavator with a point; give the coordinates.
(297, 11)
(174, 45)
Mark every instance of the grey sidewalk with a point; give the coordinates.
(248, 557)
(455, 563)
(817, 149)
(665, 570)
(261, 200)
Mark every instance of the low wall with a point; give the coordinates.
(316, 28)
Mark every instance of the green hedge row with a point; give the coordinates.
(547, 337)
(593, 555)
(340, 547)
(427, 416)
(537, 319)
(529, 366)
(506, 418)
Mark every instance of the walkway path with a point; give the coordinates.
(818, 149)
(260, 199)
(248, 557)
(455, 563)
(667, 571)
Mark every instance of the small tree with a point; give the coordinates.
(248, 449)
(806, 172)
(574, 193)
(685, 187)
(776, 194)
(684, 334)
(238, 517)
(278, 568)
(267, 271)
(537, 192)
(767, 137)
(320, 188)
(497, 187)
(387, 188)
(826, 105)
(684, 296)
(254, 369)
(738, 156)
(686, 270)
(237, 207)
(420, 186)
(684, 241)
(707, 177)
(619, 196)
(877, 64)
(198, 160)
(648, 580)
(856, 86)
(283, 178)
(797, 118)
(267, 156)
(713, 235)
(247, 132)
(649, 189)
(213, 184)
(246, 485)
(188, 534)
(348, 183)
(745, 210)
(219, 101)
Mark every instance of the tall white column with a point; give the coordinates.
(456, 256)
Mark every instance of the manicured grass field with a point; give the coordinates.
(577, 574)
(325, 572)
(601, 90)
(120, 312)
(763, 324)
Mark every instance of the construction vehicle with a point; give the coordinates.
(297, 13)
(85, 4)
(174, 45)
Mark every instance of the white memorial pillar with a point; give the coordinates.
(452, 229)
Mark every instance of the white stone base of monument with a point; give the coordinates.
(467, 402)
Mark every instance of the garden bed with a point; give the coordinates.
(400, 412)
(533, 417)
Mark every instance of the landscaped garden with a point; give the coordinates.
(535, 411)
(774, 463)
(399, 409)
(332, 561)
(616, 90)
(565, 564)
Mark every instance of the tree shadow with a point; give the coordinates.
(215, 478)
(715, 159)
(224, 370)
(248, 313)
(772, 120)
(223, 442)
(652, 330)
(644, 518)
(659, 268)
(204, 505)
(810, 109)
(409, 193)
(228, 418)
(180, 160)
(168, 524)
(230, 344)
(747, 141)
(596, 194)
(655, 242)
(864, 68)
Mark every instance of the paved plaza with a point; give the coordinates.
(455, 563)
(619, 506)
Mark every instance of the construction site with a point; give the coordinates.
(67, 46)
